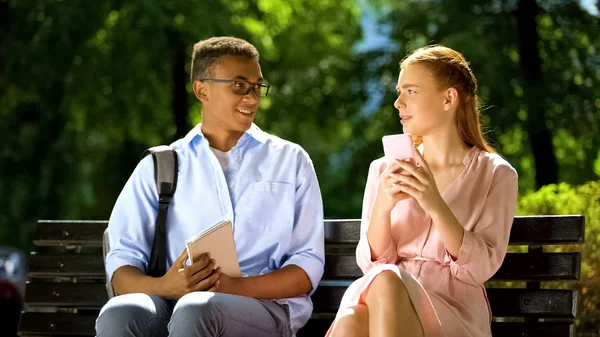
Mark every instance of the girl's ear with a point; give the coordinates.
(450, 99)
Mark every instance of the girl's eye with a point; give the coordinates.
(410, 92)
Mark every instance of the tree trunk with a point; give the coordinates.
(179, 97)
(546, 166)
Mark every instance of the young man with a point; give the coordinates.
(228, 169)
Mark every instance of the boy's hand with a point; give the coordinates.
(181, 279)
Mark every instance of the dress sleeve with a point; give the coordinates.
(484, 247)
(363, 251)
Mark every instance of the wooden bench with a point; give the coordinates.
(66, 289)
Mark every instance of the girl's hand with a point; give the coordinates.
(419, 183)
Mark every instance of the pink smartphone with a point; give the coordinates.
(397, 147)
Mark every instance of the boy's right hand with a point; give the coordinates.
(181, 279)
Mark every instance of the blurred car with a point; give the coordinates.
(13, 270)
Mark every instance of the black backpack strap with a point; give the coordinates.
(165, 175)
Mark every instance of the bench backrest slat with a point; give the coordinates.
(43, 265)
(58, 324)
(516, 266)
(78, 295)
(526, 230)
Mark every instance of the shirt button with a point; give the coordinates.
(236, 157)
(232, 185)
(272, 187)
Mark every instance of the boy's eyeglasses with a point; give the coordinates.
(242, 88)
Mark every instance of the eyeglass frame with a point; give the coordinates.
(253, 85)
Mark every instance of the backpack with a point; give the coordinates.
(165, 176)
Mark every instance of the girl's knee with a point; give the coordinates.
(353, 322)
(388, 282)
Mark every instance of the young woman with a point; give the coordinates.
(434, 228)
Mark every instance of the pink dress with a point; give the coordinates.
(449, 295)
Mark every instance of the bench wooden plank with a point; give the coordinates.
(516, 266)
(526, 230)
(77, 295)
(540, 267)
(319, 326)
(84, 325)
(505, 302)
(545, 329)
(67, 265)
(342, 231)
(38, 323)
(548, 229)
(69, 233)
(543, 303)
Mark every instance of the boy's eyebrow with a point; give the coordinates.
(244, 78)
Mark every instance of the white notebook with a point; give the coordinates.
(218, 241)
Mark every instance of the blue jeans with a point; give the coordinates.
(196, 314)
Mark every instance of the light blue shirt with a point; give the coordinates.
(270, 192)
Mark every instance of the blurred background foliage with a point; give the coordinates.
(85, 87)
(585, 200)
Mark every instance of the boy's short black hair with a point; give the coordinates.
(207, 52)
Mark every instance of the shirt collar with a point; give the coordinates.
(255, 132)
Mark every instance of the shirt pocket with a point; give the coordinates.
(272, 206)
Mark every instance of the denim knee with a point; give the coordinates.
(195, 306)
(130, 315)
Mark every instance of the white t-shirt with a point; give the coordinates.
(223, 158)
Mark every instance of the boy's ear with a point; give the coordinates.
(200, 90)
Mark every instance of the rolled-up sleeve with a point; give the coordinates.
(307, 248)
(484, 247)
(363, 250)
(132, 221)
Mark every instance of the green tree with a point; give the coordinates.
(86, 88)
(562, 100)
(40, 41)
